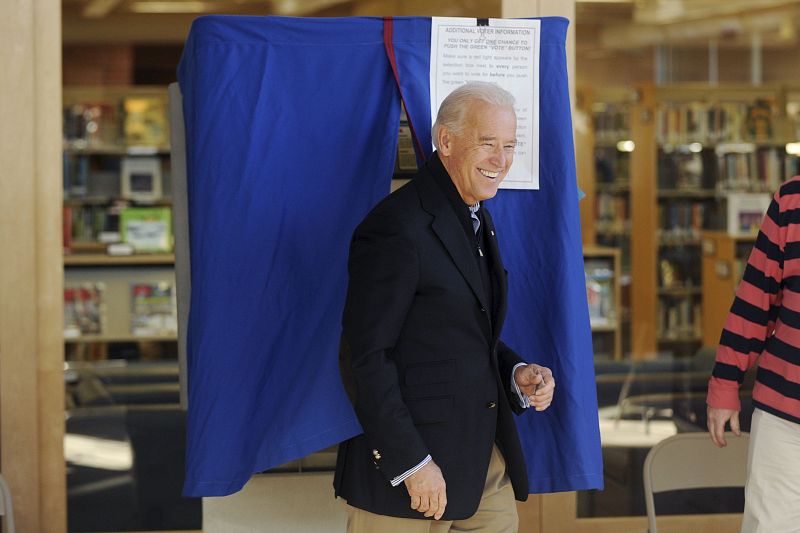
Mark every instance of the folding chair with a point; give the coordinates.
(6, 508)
(691, 461)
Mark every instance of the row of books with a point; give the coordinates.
(612, 208)
(599, 293)
(741, 213)
(145, 229)
(84, 309)
(131, 121)
(603, 347)
(137, 177)
(685, 169)
(678, 271)
(611, 165)
(89, 223)
(682, 217)
(679, 319)
(152, 309)
(681, 123)
(755, 169)
(740, 167)
(611, 122)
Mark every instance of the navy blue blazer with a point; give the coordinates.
(421, 359)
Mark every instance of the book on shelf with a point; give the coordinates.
(611, 122)
(84, 309)
(145, 122)
(76, 176)
(66, 228)
(759, 120)
(91, 123)
(746, 211)
(680, 319)
(600, 293)
(153, 309)
(746, 167)
(147, 229)
(678, 270)
(682, 220)
(686, 167)
(90, 223)
(611, 165)
(612, 209)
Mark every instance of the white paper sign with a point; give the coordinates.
(505, 52)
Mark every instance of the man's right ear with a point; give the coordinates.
(444, 138)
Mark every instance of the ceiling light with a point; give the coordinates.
(625, 146)
(99, 8)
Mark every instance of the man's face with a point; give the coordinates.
(479, 157)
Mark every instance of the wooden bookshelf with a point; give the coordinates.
(102, 260)
(645, 223)
(584, 163)
(123, 338)
(105, 129)
(650, 243)
(604, 155)
(722, 256)
(83, 148)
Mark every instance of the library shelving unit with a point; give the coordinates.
(602, 266)
(116, 197)
(604, 162)
(700, 152)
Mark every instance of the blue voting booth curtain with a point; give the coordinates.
(291, 127)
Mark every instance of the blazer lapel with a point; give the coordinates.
(448, 228)
(497, 272)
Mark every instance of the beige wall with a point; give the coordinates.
(31, 350)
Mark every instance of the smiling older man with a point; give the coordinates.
(433, 386)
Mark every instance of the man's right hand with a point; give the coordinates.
(717, 418)
(428, 490)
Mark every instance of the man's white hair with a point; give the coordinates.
(454, 108)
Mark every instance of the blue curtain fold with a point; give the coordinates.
(291, 129)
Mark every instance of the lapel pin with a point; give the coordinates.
(492, 232)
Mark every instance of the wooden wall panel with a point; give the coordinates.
(644, 221)
(31, 350)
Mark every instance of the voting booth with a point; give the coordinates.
(286, 136)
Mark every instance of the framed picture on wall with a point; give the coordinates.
(141, 179)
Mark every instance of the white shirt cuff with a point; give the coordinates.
(402, 477)
(523, 400)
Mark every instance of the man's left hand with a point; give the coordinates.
(537, 383)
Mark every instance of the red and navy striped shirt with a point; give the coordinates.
(764, 322)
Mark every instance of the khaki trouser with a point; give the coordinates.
(497, 511)
(772, 493)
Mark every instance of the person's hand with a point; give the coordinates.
(537, 383)
(427, 490)
(717, 418)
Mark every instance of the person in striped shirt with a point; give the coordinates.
(763, 327)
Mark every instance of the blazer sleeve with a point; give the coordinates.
(384, 272)
(507, 359)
